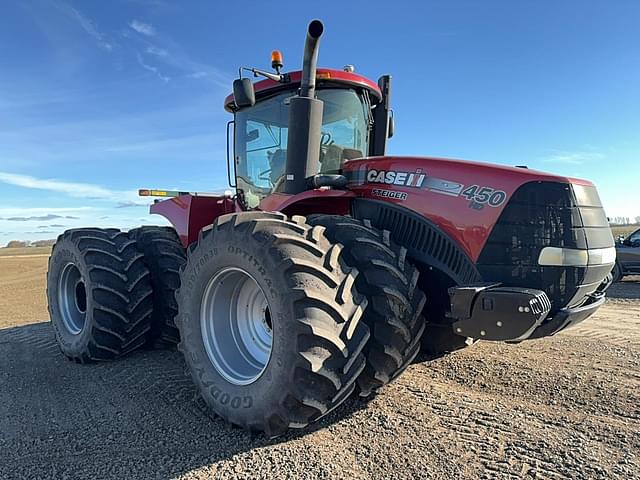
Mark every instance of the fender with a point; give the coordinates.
(190, 213)
(321, 200)
(425, 241)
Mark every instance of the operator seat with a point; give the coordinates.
(333, 156)
(277, 161)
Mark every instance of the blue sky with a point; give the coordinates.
(100, 98)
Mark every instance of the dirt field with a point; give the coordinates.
(21, 251)
(623, 230)
(22, 289)
(562, 407)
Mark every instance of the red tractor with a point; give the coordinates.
(332, 264)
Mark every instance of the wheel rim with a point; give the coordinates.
(72, 299)
(236, 326)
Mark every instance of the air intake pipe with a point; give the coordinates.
(305, 120)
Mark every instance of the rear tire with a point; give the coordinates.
(99, 294)
(395, 303)
(293, 280)
(164, 255)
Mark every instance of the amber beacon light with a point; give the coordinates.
(276, 60)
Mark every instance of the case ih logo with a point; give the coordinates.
(478, 195)
(390, 177)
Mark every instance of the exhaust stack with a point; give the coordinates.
(305, 119)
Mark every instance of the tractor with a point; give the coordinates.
(329, 265)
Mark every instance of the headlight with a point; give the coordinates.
(570, 257)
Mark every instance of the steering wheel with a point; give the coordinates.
(261, 175)
(325, 139)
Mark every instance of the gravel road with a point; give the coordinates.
(562, 407)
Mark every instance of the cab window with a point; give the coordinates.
(261, 139)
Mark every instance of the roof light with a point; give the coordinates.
(276, 60)
(349, 68)
(323, 75)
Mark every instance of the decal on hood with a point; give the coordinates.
(478, 196)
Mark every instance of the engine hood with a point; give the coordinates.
(464, 198)
(436, 165)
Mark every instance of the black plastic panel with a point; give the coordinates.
(542, 214)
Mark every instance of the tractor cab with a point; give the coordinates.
(350, 105)
(261, 131)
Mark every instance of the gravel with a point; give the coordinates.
(561, 407)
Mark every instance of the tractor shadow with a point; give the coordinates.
(137, 417)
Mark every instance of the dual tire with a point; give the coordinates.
(395, 303)
(271, 321)
(164, 256)
(99, 294)
(280, 320)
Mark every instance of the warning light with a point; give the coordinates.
(323, 75)
(145, 192)
(276, 60)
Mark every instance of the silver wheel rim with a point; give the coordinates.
(236, 326)
(72, 299)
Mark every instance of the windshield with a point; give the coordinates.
(261, 139)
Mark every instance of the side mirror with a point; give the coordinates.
(243, 93)
(392, 124)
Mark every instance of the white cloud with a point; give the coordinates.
(87, 25)
(130, 203)
(160, 52)
(39, 218)
(73, 189)
(573, 158)
(12, 211)
(143, 28)
(197, 75)
(152, 69)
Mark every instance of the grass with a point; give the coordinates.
(8, 252)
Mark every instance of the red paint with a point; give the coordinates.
(338, 77)
(469, 227)
(312, 201)
(190, 214)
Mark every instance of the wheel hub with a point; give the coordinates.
(72, 299)
(235, 321)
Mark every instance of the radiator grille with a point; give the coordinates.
(541, 214)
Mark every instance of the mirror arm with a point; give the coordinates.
(276, 77)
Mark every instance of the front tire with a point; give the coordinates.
(395, 303)
(99, 294)
(269, 320)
